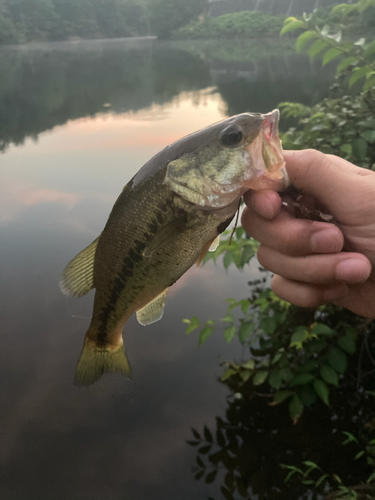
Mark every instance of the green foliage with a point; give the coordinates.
(295, 354)
(38, 20)
(326, 41)
(246, 451)
(243, 24)
(311, 474)
(238, 250)
(167, 16)
(344, 127)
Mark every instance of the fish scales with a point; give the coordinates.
(135, 280)
(166, 219)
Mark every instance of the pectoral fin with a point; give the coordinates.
(153, 311)
(78, 276)
(214, 244)
(205, 249)
(164, 236)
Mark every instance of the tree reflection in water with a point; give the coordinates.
(248, 446)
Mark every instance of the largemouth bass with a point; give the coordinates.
(165, 220)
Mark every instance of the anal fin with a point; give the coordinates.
(153, 311)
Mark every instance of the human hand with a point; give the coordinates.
(317, 262)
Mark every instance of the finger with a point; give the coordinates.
(265, 203)
(307, 295)
(293, 236)
(308, 168)
(319, 269)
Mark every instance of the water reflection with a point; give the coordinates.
(48, 84)
(244, 453)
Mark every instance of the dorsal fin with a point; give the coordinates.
(153, 311)
(78, 276)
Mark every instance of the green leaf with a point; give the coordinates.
(345, 63)
(337, 359)
(346, 148)
(237, 255)
(228, 259)
(228, 373)
(321, 329)
(204, 335)
(245, 375)
(295, 408)
(245, 330)
(359, 455)
(304, 38)
(302, 379)
(347, 344)
(228, 318)
(359, 148)
(316, 48)
(320, 480)
(286, 374)
(359, 73)
(368, 135)
(229, 333)
(322, 391)
(329, 375)
(298, 336)
(350, 438)
(244, 305)
(290, 26)
(280, 397)
(268, 324)
(308, 395)
(330, 55)
(369, 83)
(193, 324)
(275, 380)
(370, 49)
(249, 364)
(260, 377)
(247, 254)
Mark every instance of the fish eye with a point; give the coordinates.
(231, 136)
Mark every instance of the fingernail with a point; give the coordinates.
(352, 270)
(326, 241)
(332, 294)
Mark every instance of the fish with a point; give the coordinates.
(167, 218)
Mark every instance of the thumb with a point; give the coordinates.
(333, 181)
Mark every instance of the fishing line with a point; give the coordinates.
(235, 224)
(70, 312)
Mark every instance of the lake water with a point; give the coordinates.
(77, 120)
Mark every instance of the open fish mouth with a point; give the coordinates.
(268, 165)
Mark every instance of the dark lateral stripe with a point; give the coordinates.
(134, 256)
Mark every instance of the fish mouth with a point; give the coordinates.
(267, 159)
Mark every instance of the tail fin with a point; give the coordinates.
(95, 361)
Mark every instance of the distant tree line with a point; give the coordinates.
(22, 21)
(38, 20)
